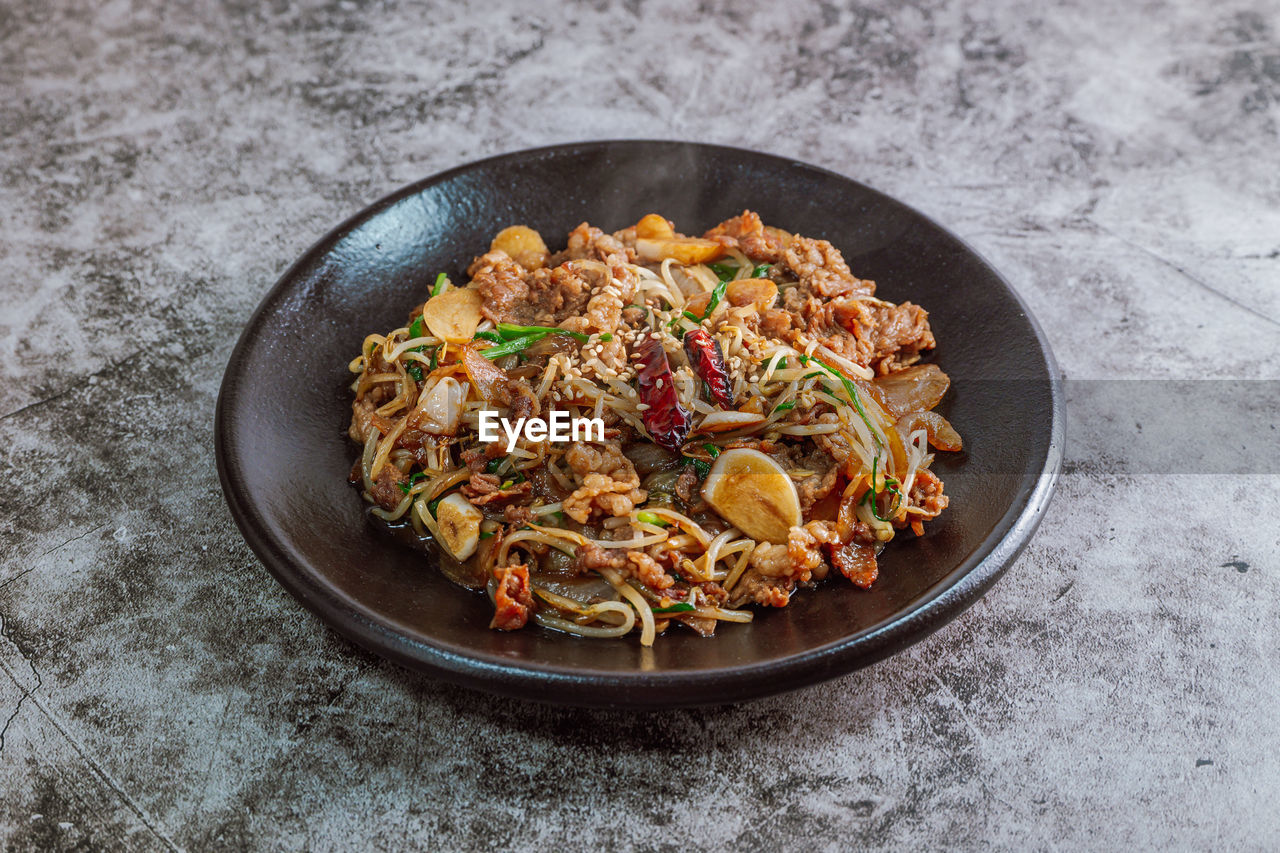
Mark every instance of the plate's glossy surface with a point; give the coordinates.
(283, 455)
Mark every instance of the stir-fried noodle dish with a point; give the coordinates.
(745, 418)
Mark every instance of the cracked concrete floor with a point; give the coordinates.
(163, 163)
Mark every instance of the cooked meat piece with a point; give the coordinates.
(484, 489)
(512, 598)
(815, 488)
(609, 483)
(821, 269)
(363, 418)
(804, 549)
(591, 557)
(558, 294)
(766, 590)
(857, 563)
(517, 516)
(523, 402)
(645, 569)
(747, 233)
(477, 458)
(900, 332)
(926, 493)
(600, 495)
(775, 323)
(386, 490)
(587, 241)
(503, 290)
(688, 487)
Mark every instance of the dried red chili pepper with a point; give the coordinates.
(708, 362)
(666, 420)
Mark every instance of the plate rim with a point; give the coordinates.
(637, 689)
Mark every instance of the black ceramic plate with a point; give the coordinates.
(283, 455)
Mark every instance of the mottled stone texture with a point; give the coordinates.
(163, 163)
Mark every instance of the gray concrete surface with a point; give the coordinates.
(163, 162)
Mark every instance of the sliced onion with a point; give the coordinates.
(439, 409)
(942, 434)
(916, 389)
(489, 379)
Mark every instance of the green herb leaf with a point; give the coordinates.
(435, 353)
(438, 287)
(606, 337)
(761, 271)
(494, 465)
(506, 484)
(415, 370)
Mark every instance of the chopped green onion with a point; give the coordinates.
(435, 353)
(415, 370)
(724, 272)
(850, 390)
(506, 484)
(485, 534)
(511, 347)
(716, 295)
(678, 607)
(785, 407)
(494, 464)
(761, 271)
(493, 337)
(711, 449)
(873, 494)
(415, 328)
(606, 337)
(438, 287)
(510, 331)
(649, 518)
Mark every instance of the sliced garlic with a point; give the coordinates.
(686, 250)
(754, 494)
(654, 227)
(453, 315)
(525, 246)
(459, 524)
